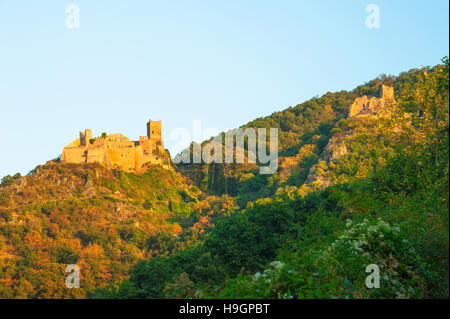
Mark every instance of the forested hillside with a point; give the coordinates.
(304, 132)
(348, 193)
(104, 221)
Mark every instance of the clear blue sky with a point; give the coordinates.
(221, 62)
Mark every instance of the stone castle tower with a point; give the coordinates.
(370, 106)
(85, 137)
(154, 134)
(387, 92)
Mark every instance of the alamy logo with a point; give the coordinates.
(373, 19)
(73, 280)
(373, 280)
(232, 146)
(73, 17)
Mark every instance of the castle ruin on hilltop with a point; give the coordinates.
(370, 106)
(116, 150)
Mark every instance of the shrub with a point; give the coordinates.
(5, 198)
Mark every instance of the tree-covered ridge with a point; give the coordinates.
(104, 221)
(304, 132)
(307, 124)
(310, 230)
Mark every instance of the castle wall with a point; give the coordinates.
(139, 157)
(96, 155)
(74, 155)
(122, 157)
(145, 144)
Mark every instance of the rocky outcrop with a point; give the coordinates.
(334, 151)
(89, 189)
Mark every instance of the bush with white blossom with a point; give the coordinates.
(337, 270)
(384, 245)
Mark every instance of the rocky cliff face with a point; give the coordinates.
(334, 150)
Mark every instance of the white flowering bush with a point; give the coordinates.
(337, 270)
(384, 245)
